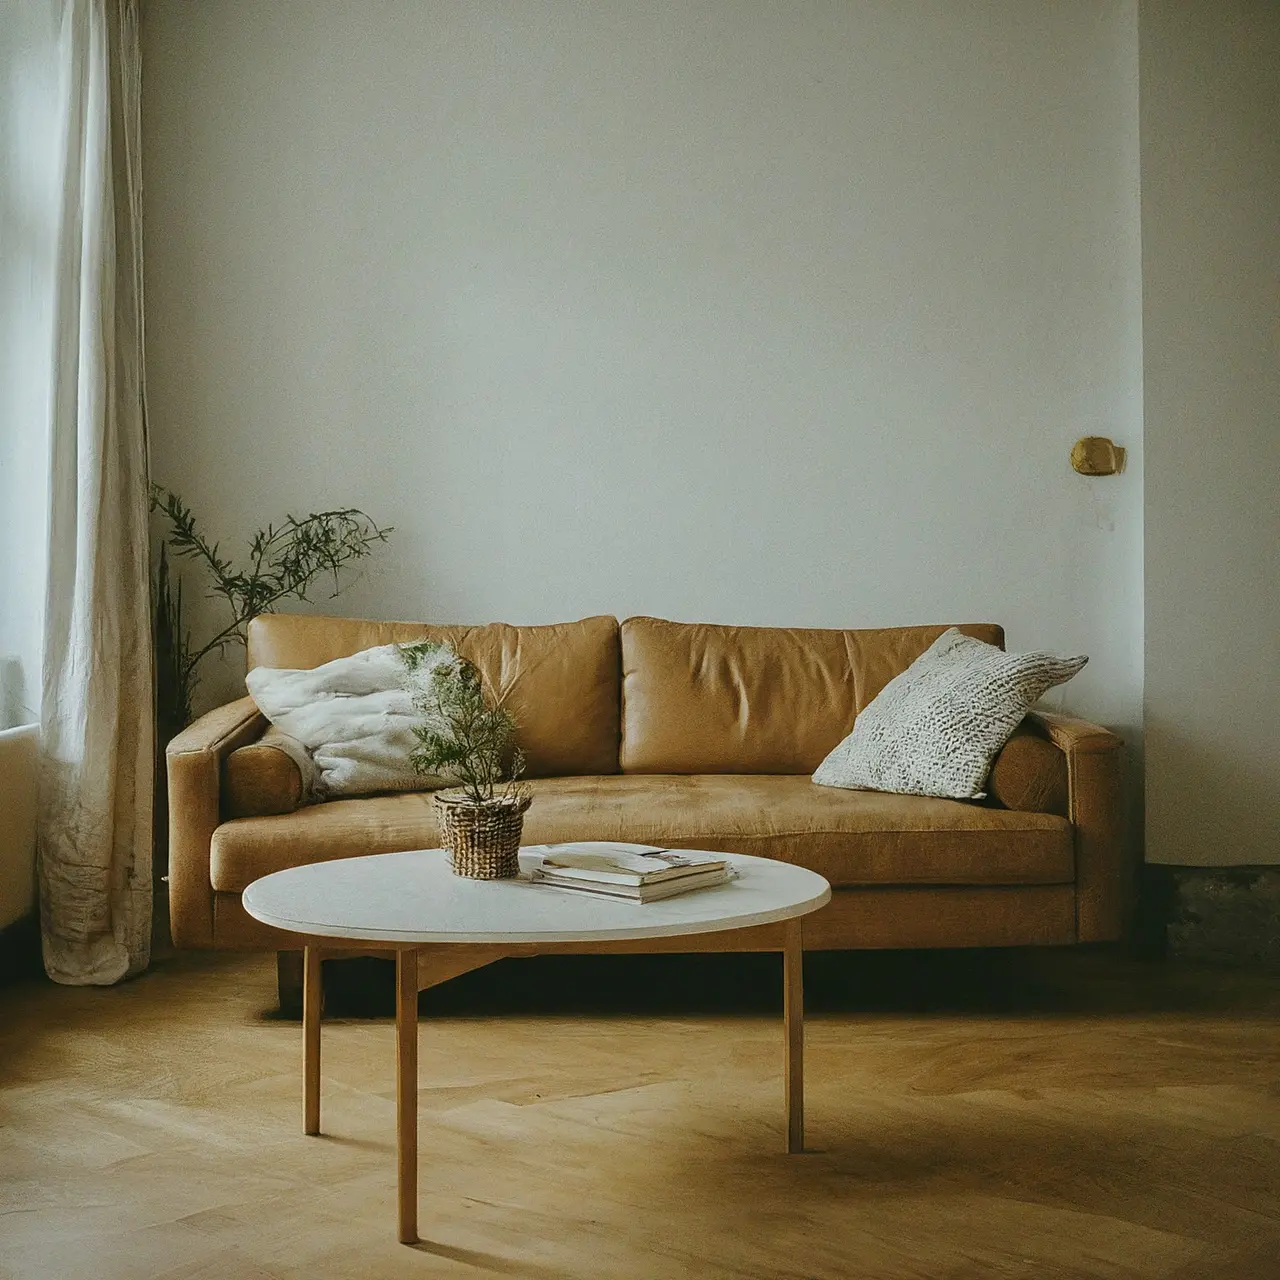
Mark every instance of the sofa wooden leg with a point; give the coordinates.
(289, 983)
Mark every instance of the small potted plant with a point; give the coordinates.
(467, 738)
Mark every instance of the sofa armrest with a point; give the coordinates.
(1105, 870)
(194, 765)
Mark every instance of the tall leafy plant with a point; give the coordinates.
(172, 646)
(284, 562)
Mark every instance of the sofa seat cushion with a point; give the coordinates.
(850, 837)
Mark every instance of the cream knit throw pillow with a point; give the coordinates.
(935, 729)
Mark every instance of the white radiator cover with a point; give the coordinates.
(19, 756)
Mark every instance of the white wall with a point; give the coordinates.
(754, 312)
(29, 203)
(1210, 119)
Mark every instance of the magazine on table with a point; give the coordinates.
(635, 872)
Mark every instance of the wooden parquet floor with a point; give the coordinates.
(1046, 1115)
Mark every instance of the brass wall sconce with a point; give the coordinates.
(1097, 456)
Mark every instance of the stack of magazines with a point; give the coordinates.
(633, 872)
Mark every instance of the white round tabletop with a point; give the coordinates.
(413, 897)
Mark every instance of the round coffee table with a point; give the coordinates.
(440, 925)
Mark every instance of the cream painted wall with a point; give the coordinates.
(1210, 123)
(749, 312)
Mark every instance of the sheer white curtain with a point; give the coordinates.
(96, 713)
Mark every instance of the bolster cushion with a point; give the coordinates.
(1029, 774)
(263, 778)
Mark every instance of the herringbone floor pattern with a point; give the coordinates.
(1057, 1115)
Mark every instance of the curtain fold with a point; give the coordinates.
(96, 720)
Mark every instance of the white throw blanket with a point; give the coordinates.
(354, 716)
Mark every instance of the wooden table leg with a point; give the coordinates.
(793, 1024)
(311, 997)
(407, 1093)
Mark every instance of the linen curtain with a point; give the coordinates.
(96, 718)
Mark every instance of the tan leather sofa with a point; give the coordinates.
(687, 735)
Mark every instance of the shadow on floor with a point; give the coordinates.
(1061, 981)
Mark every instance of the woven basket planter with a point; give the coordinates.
(482, 840)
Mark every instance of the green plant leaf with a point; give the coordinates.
(462, 735)
(284, 563)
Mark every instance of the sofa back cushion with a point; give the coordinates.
(561, 682)
(699, 698)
